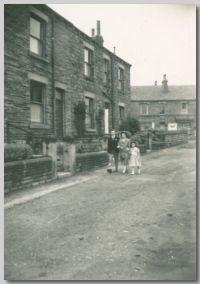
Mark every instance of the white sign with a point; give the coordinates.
(172, 126)
(153, 125)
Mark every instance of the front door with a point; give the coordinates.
(59, 113)
(106, 118)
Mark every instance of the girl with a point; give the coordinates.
(124, 144)
(135, 160)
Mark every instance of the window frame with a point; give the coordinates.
(34, 102)
(121, 111)
(120, 77)
(106, 74)
(89, 64)
(42, 39)
(184, 110)
(90, 113)
(146, 109)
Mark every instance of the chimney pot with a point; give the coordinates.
(93, 32)
(165, 83)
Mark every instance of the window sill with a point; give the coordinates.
(44, 59)
(39, 125)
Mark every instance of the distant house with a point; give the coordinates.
(163, 107)
(50, 65)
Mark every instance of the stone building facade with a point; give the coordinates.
(164, 107)
(50, 66)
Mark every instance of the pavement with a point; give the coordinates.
(100, 226)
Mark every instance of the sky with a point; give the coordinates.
(155, 39)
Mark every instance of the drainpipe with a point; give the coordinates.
(112, 91)
(53, 75)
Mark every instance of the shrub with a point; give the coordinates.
(131, 124)
(15, 152)
(79, 118)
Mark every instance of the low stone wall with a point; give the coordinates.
(170, 139)
(91, 144)
(27, 173)
(89, 161)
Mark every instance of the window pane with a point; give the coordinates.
(86, 55)
(36, 92)
(36, 113)
(35, 28)
(35, 45)
(87, 70)
(88, 120)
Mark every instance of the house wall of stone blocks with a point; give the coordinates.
(60, 68)
(172, 113)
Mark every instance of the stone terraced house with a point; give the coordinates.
(165, 107)
(50, 65)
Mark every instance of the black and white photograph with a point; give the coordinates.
(100, 142)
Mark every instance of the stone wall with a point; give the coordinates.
(91, 161)
(27, 173)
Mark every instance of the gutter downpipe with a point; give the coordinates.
(53, 76)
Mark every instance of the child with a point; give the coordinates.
(135, 160)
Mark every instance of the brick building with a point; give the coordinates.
(162, 107)
(50, 66)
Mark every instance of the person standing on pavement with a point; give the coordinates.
(113, 151)
(124, 144)
(135, 160)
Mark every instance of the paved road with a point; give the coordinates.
(112, 227)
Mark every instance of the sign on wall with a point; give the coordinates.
(172, 126)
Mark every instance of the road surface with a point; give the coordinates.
(110, 227)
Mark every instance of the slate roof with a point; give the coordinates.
(155, 93)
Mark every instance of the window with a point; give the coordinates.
(121, 114)
(37, 34)
(120, 79)
(162, 110)
(106, 71)
(144, 109)
(37, 101)
(184, 108)
(88, 62)
(89, 108)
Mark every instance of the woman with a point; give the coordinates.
(124, 146)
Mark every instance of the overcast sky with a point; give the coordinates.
(155, 39)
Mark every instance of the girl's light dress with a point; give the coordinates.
(135, 160)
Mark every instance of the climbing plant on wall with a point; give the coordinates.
(79, 118)
(99, 121)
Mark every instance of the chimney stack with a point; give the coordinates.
(93, 32)
(156, 83)
(98, 28)
(165, 83)
(98, 38)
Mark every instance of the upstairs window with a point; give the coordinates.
(37, 101)
(184, 108)
(88, 63)
(89, 108)
(120, 79)
(106, 72)
(37, 35)
(144, 109)
(162, 110)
